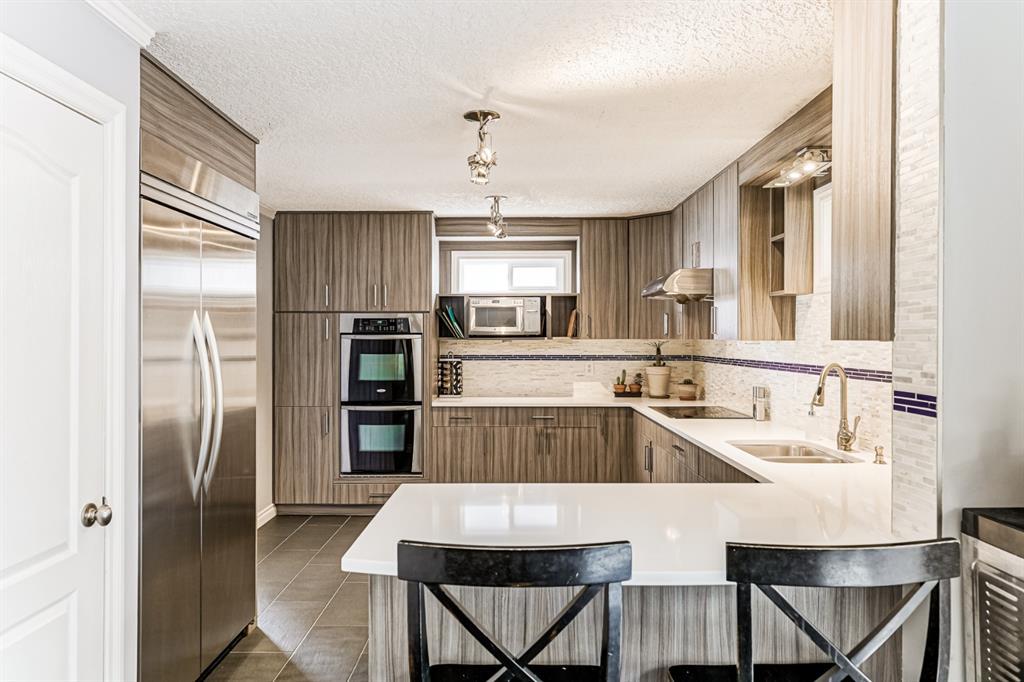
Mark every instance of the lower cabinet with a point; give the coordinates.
(510, 445)
(660, 456)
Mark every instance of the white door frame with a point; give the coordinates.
(23, 65)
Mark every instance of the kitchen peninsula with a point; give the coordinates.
(678, 607)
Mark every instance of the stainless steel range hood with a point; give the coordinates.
(682, 286)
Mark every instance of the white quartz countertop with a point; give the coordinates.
(678, 531)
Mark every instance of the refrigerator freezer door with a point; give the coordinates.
(172, 426)
(229, 490)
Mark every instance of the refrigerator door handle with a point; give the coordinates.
(218, 401)
(199, 338)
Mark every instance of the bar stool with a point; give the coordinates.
(596, 568)
(928, 566)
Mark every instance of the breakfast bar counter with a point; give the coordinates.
(678, 606)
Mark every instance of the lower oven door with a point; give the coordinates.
(379, 440)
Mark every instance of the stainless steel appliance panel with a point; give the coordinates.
(505, 316)
(381, 439)
(229, 483)
(382, 369)
(175, 418)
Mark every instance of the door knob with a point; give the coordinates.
(92, 514)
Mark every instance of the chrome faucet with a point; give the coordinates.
(845, 437)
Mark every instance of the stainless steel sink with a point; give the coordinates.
(791, 452)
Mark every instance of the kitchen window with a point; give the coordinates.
(511, 272)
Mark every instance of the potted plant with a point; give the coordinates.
(620, 383)
(638, 382)
(658, 374)
(688, 390)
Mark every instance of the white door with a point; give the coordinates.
(54, 421)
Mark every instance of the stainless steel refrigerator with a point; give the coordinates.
(198, 294)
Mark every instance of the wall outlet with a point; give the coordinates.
(588, 369)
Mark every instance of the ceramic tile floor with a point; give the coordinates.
(312, 623)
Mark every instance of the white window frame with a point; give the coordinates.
(521, 258)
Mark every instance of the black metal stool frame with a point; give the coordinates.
(929, 566)
(595, 568)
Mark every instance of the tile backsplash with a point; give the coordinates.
(727, 369)
(523, 367)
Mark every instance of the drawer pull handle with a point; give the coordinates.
(677, 448)
(543, 416)
(459, 418)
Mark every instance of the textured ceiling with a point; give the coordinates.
(608, 108)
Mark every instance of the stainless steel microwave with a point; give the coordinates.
(505, 316)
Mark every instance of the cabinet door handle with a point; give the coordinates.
(327, 329)
(590, 326)
(456, 417)
(714, 320)
(327, 295)
(543, 416)
(385, 295)
(374, 295)
(664, 324)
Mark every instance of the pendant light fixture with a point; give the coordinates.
(484, 158)
(496, 223)
(809, 162)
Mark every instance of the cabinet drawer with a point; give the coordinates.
(686, 453)
(516, 416)
(714, 470)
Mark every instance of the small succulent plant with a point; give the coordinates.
(620, 380)
(658, 361)
(638, 379)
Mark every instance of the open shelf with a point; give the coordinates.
(556, 312)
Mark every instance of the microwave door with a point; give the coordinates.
(496, 319)
(381, 440)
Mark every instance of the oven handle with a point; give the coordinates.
(382, 408)
(378, 337)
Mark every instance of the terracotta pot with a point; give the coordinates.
(635, 388)
(619, 388)
(657, 381)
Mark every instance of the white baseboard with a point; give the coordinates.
(267, 513)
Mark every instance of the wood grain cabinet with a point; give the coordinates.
(352, 262)
(654, 248)
(725, 312)
(636, 466)
(699, 228)
(306, 350)
(304, 438)
(605, 291)
(863, 113)
(303, 262)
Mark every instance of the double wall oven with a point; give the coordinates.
(381, 394)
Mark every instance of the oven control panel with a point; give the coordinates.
(381, 325)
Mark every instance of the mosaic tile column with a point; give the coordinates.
(915, 490)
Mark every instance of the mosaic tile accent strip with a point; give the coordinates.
(793, 367)
(915, 403)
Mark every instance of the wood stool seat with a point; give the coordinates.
(764, 672)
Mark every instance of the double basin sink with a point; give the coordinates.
(790, 452)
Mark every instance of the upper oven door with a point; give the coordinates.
(381, 369)
(497, 317)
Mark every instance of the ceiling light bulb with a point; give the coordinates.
(794, 174)
(809, 166)
(478, 174)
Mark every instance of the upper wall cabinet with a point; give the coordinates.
(172, 111)
(699, 228)
(352, 262)
(725, 312)
(654, 247)
(862, 172)
(604, 279)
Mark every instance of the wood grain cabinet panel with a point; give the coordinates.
(305, 360)
(176, 114)
(699, 228)
(862, 173)
(725, 314)
(571, 455)
(405, 261)
(635, 465)
(654, 249)
(604, 279)
(461, 455)
(303, 276)
(302, 440)
(356, 260)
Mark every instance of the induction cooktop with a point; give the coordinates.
(700, 412)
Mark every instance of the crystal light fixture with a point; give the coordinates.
(810, 162)
(496, 223)
(484, 158)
